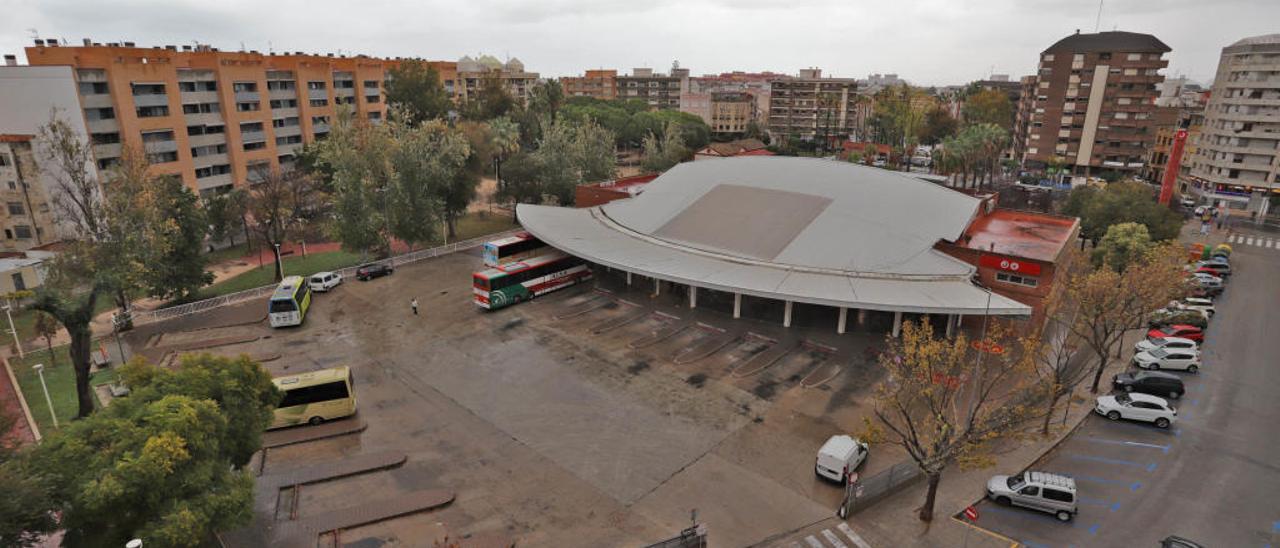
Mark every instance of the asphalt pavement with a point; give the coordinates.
(1215, 476)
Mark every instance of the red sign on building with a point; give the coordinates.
(1010, 265)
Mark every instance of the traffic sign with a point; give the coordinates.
(971, 513)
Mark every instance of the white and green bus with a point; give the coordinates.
(520, 281)
(514, 248)
(289, 303)
(315, 397)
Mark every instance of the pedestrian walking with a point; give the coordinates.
(414, 304)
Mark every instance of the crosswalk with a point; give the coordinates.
(1265, 242)
(827, 538)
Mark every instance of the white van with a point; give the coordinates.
(324, 281)
(839, 457)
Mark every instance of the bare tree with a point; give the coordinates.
(279, 203)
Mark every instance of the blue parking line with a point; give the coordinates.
(1093, 529)
(1133, 486)
(1112, 506)
(1163, 448)
(1194, 402)
(1029, 514)
(1150, 467)
(1149, 428)
(1275, 527)
(1038, 545)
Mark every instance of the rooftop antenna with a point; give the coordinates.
(270, 50)
(1098, 22)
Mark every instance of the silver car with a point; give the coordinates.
(1051, 493)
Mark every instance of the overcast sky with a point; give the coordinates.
(925, 41)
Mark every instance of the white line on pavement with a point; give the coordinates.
(857, 540)
(1270, 243)
(813, 541)
(833, 539)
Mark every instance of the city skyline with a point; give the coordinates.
(938, 43)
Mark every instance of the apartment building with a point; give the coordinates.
(215, 119)
(1094, 103)
(471, 73)
(1236, 159)
(597, 84)
(813, 107)
(659, 90)
(1023, 111)
(25, 216)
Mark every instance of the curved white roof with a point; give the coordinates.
(799, 229)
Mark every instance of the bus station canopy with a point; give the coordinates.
(796, 229)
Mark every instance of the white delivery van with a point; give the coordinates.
(839, 457)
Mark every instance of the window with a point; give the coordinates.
(4, 159)
(316, 120)
(284, 103)
(1104, 56)
(198, 86)
(209, 150)
(94, 114)
(244, 86)
(250, 126)
(211, 171)
(336, 390)
(201, 108)
(289, 140)
(285, 122)
(281, 85)
(22, 232)
(1030, 491)
(93, 88)
(370, 84)
(108, 163)
(162, 157)
(250, 106)
(1048, 57)
(373, 99)
(319, 102)
(19, 284)
(157, 136)
(12, 185)
(256, 145)
(1134, 57)
(152, 112)
(205, 130)
(147, 89)
(15, 208)
(315, 85)
(1060, 496)
(375, 115)
(1016, 278)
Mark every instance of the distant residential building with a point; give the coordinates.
(214, 119)
(473, 71)
(731, 112)
(741, 147)
(597, 84)
(813, 107)
(1166, 123)
(1236, 157)
(1023, 112)
(1094, 103)
(659, 90)
(27, 217)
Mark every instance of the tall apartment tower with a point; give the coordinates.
(215, 119)
(813, 107)
(598, 84)
(1094, 103)
(1236, 158)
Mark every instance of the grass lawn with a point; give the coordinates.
(61, 379)
(477, 224)
(25, 322)
(223, 255)
(294, 265)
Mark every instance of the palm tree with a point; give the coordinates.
(504, 136)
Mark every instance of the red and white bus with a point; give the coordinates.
(512, 248)
(520, 281)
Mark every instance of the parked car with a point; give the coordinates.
(1150, 382)
(1160, 358)
(1052, 493)
(1174, 541)
(1174, 316)
(324, 281)
(1168, 343)
(1220, 270)
(1187, 202)
(839, 457)
(1138, 407)
(373, 270)
(1199, 303)
(1177, 330)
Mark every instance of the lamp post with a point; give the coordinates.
(279, 263)
(39, 367)
(8, 312)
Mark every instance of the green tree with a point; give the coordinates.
(27, 509)
(521, 181)
(1123, 244)
(164, 464)
(491, 100)
(225, 212)
(46, 327)
(546, 99)
(433, 177)
(358, 154)
(988, 106)
(1117, 203)
(663, 151)
(414, 87)
(174, 259)
(504, 140)
(277, 202)
(938, 125)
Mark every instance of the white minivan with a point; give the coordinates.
(324, 281)
(839, 457)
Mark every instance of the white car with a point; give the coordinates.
(1167, 343)
(1171, 358)
(1207, 279)
(324, 281)
(1205, 306)
(839, 457)
(1188, 202)
(1137, 407)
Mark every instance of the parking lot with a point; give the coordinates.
(1211, 477)
(583, 418)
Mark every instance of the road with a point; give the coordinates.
(1215, 476)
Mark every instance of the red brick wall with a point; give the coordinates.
(591, 195)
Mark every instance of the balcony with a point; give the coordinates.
(320, 128)
(95, 101)
(102, 152)
(283, 94)
(207, 140)
(248, 97)
(203, 119)
(214, 181)
(190, 97)
(209, 160)
(151, 100)
(287, 149)
(288, 130)
(253, 136)
(157, 147)
(103, 126)
(318, 94)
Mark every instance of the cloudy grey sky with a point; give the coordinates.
(925, 41)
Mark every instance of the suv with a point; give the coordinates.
(1052, 493)
(324, 281)
(373, 270)
(1150, 382)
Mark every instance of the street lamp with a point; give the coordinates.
(279, 263)
(8, 312)
(39, 367)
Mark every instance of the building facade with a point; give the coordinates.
(812, 107)
(731, 112)
(659, 90)
(597, 84)
(1094, 103)
(1023, 111)
(471, 74)
(27, 217)
(214, 119)
(1236, 154)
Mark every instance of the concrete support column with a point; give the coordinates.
(897, 323)
(951, 325)
(693, 296)
(862, 317)
(786, 315)
(657, 287)
(737, 305)
(844, 316)
(628, 278)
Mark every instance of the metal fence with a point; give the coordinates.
(862, 493)
(693, 537)
(150, 316)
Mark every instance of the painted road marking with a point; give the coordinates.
(1162, 448)
(1144, 427)
(857, 540)
(1113, 506)
(1032, 515)
(1249, 241)
(1134, 486)
(833, 539)
(813, 542)
(1270, 242)
(1151, 467)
